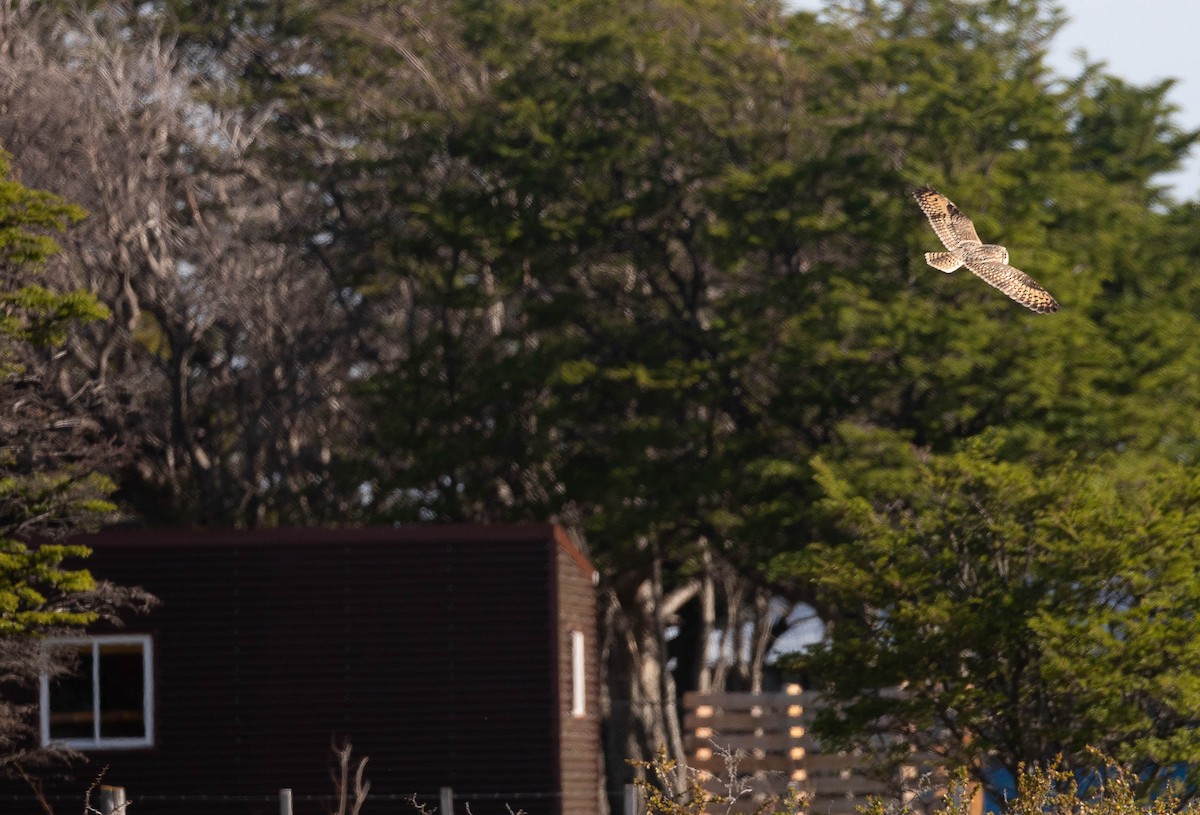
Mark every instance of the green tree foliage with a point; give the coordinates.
(640, 262)
(29, 312)
(1026, 610)
(988, 530)
(50, 467)
(37, 493)
(651, 269)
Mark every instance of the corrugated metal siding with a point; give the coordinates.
(433, 651)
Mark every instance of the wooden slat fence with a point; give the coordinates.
(761, 744)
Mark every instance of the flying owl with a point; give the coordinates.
(986, 260)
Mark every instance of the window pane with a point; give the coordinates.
(121, 691)
(71, 701)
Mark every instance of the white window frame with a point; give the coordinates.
(97, 741)
(578, 675)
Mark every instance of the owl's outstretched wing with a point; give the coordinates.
(1015, 283)
(947, 220)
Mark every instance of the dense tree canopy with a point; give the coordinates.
(1027, 609)
(651, 269)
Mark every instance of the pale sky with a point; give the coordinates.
(1141, 41)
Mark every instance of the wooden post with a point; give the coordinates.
(112, 800)
(633, 800)
(446, 801)
(285, 801)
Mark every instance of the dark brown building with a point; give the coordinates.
(451, 656)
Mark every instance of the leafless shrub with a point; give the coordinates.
(115, 807)
(351, 792)
(223, 368)
(697, 798)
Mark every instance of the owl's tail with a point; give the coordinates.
(944, 261)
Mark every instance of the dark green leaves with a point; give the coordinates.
(43, 491)
(1027, 610)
